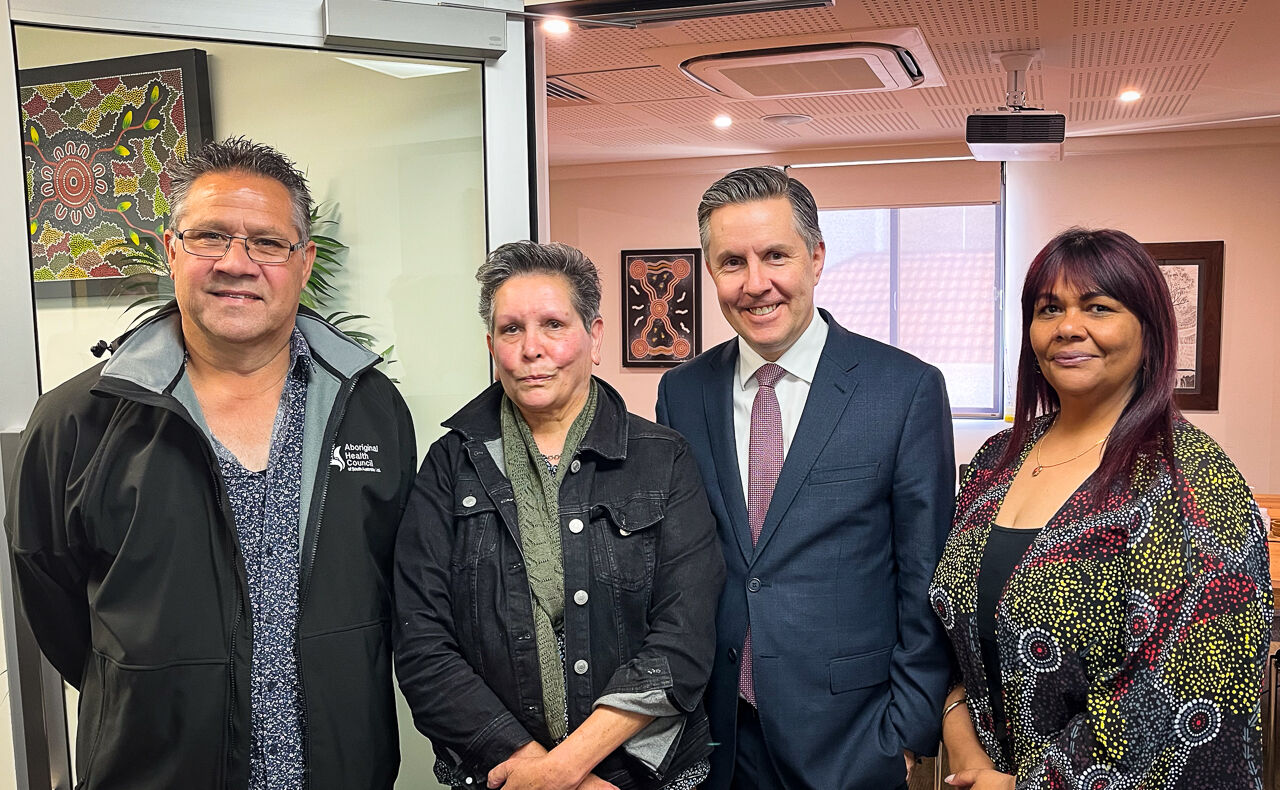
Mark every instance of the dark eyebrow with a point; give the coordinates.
(1084, 297)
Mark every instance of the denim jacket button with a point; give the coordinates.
(575, 466)
(580, 597)
(468, 501)
(580, 667)
(575, 525)
(624, 532)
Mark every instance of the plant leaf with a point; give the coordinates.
(124, 205)
(35, 136)
(122, 151)
(34, 227)
(126, 120)
(151, 124)
(155, 93)
(133, 237)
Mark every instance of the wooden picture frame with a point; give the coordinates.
(661, 311)
(98, 140)
(1193, 270)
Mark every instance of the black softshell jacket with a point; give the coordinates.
(129, 571)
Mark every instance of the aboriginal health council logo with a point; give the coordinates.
(354, 457)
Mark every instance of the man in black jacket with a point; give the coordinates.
(202, 526)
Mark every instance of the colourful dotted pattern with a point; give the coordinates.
(1132, 633)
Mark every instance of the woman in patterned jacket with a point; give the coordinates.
(1105, 586)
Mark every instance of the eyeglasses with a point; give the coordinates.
(261, 249)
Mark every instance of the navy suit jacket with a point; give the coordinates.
(850, 662)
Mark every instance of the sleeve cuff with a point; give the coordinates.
(655, 744)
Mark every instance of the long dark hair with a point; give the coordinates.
(1114, 263)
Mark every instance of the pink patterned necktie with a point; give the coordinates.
(763, 465)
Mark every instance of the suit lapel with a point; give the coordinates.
(833, 383)
(717, 401)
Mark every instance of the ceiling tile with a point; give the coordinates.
(1165, 106)
(593, 117)
(627, 138)
(770, 24)
(841, 103)
(599, 48)
(950, 19)
(859, 125)
(1108, 84)
(688, 111)
(1102, 13)
(1172, 44)
(741, 130)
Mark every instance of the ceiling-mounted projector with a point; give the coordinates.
(1016, 132)
(1023, 135)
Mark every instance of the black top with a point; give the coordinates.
(1005, 548)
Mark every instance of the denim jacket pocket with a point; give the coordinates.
(624, 538)
(475, 519)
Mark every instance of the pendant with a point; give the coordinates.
(1036, 472)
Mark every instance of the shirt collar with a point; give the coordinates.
(299, 353)
(801, 360)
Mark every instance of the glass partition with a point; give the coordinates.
(392, 146)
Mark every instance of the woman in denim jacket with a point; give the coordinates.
(557, 569)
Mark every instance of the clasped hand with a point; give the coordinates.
(528, 770)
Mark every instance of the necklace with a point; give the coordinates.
(1041, 466)
(551, 459)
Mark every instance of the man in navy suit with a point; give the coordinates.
(828, 461)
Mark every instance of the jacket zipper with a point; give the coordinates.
(313, 533)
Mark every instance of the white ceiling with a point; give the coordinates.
(1198, 63)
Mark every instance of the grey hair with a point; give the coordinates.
(761, 183)
(241, 155)
(529, 257)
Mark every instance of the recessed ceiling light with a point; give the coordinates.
(401, 69)
(1130, 95)
(723, 121)
(555, 26)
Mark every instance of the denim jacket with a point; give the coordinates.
(638, 539)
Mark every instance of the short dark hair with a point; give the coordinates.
(529, 257)
(241, 155)
(761, 183)
(1114, 263)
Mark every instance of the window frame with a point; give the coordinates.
(996, 410)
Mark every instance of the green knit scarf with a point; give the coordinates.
(537, 494)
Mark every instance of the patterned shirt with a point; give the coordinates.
(1131, 634)
(266, 506)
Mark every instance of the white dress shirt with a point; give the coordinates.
(800, 363)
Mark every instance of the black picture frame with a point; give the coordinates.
(1193, 270)
(661, 307)
(126, 118)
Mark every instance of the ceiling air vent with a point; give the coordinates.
(816, 69)
(562, 94)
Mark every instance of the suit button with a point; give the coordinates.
(468, 501)
(580, 597)
(575, 466)
(575, 525)
(580, 667)
(733, 655)
(754, 585)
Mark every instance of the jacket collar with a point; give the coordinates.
(151, 356)
(607, 436)
(724, 357)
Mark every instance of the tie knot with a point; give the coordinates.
(768, 374)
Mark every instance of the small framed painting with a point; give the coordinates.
(661, 314)
(1193, 270)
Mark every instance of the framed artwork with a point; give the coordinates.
(661, 314)
(97, 139)
(1193, 270)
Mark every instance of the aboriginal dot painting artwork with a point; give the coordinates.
(661, 316)
(98, 138)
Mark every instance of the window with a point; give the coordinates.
(926, 280)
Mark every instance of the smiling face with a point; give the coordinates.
(763, 273)
(1088, 344)
(541, 351)
(232, 302)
